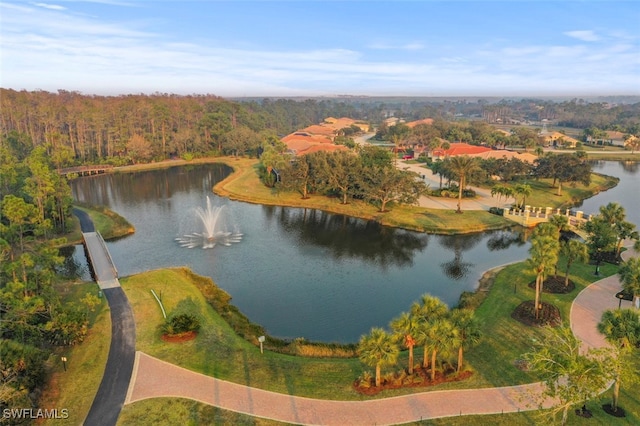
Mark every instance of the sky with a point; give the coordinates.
(322, 48)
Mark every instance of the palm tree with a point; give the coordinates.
(501, 191)
(523, 190)
(462, 166)
(441, 336)
(438, 168)
(612, 213)
(629, 274)
(621, 329)
(405, 327)
(468, 331)
(429, 311)
(573, 251)
(378, 349)
(560, 221)
(544, 255)
(624, 230)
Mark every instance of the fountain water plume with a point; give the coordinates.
(214, 232)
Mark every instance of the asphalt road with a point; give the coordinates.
(86, 224)
(112, 392)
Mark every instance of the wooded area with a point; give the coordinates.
(80, 129)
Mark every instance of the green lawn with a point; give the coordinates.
(545, 195)
(244, 185)
(75, 388)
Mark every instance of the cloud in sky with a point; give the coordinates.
(50, 47)
(584, 35)
(50, 6)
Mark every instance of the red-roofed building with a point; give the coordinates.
(301, 143)
(459, 148)
(318, 129)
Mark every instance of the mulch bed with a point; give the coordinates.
(421, 378)
(182, 337)
(525, 313)
(555, 285)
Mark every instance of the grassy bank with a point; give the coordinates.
(244, 185)
(109, 223)
(545, 195)
(75, 388)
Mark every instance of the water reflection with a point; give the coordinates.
(347, 237)
(502, 240)
(457, 268)
(298, 272)
(630, 166)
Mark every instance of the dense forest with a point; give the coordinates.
(77, 128)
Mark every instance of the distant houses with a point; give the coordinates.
(557, 139)
(607, 138)
(321, 137)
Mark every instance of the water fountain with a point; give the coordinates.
(214, 230)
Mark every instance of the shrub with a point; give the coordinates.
(496, 210)
(179, 324)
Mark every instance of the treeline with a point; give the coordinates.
(35, 207)
(575, 113)
(123, 129)
(136, 128)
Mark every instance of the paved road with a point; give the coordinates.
(112, 391)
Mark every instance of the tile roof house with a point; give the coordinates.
(557, 138)
(320, 137)
(301, 143)
(341, 123)
(459, 148)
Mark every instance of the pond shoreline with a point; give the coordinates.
(410, 218)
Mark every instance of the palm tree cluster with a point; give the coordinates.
(545, 251)
(607, 231)
(428, 324)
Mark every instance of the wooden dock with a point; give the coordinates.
(104, 269)
(86, 170)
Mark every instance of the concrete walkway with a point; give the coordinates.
(483, 200)
(155, 378)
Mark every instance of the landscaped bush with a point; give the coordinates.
(180, 324)
(497, 211)
(452, 192)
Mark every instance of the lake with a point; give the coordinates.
(299, 272)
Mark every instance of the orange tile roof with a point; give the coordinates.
(318, 129)
(461, 148)
(304, 143)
